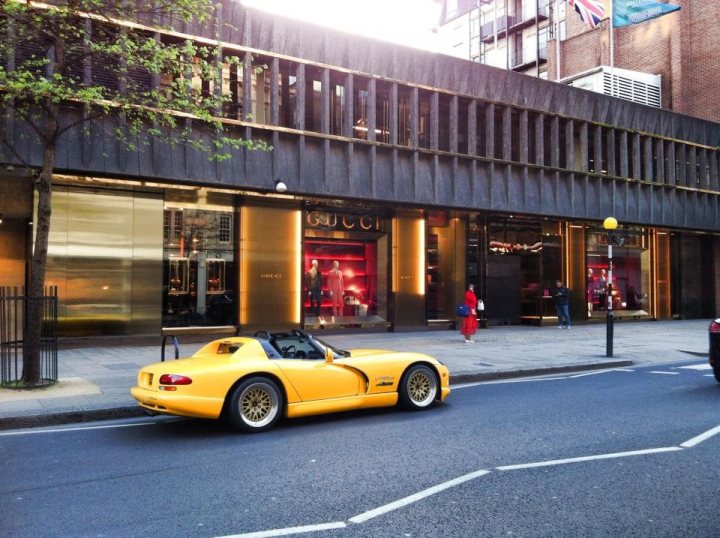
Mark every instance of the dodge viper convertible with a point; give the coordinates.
(254, 381)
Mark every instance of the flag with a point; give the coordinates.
(626, 12)
(590, 11)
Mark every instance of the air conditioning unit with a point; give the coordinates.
(634, 86)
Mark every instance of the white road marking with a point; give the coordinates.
(588, 458)
(700, 438)
(291, 530)
(503, 381)
(709, 375)
(536, 379)
(593, 373)
(665, 373)
(705, 366)
(84, 428)
(370, 514)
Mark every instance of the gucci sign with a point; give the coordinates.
(269, 276)
(348, 222)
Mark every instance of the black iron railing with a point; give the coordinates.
(16, 368)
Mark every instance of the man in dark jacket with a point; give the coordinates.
(561, 295)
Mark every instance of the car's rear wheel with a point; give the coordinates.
(255, 405)
(716, 371)
(418, 387)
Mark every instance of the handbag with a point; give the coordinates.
(463, 311)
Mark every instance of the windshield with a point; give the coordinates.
(336, 351)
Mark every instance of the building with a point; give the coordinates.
(509, 34)
(417, 173)
(679, 48)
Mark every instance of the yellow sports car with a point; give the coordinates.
(254, 381)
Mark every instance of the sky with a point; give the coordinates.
(408, 22)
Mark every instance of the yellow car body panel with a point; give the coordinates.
(366, 379)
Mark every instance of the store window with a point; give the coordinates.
(198, 259)
(524, 261)
(630, 273)
(345, 268)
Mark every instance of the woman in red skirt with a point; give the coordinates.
(469, 326)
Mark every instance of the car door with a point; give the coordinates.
(311, 376)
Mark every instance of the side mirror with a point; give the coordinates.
(329, 356)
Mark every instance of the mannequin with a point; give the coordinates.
(336, 288)
(313, 284)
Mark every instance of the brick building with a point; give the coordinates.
(680, 47)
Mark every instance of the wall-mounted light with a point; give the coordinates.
(1, 218)
(280, 185)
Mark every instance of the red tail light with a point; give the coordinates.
(715, 326)
(174, 379)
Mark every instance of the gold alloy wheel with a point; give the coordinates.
(422, 387)
(259, 404)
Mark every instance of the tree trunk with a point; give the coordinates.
(34, 314)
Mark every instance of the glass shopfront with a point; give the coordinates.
(345, 265)
(524, 259)
(198, 258)
(630, 273)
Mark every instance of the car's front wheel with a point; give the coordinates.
(418, 387)
(255, 405)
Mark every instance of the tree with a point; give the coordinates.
(69, 64)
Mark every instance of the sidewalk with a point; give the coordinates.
(94, 383)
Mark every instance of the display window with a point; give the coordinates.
(630, 273)
(344, 271)
(199, 259)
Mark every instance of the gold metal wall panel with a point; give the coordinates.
(146, 313)
(575, 270)
(99, 263)
(660, 297)
(105, 256)
(12, 252)
(56, 269)
(270, 267)
(459, 226)
(409, 271)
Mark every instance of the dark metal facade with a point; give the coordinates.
(514, 143)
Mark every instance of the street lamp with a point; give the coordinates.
(609, 224)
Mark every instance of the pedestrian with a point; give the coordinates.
(561, 295)
(469, 326)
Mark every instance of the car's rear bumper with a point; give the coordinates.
(173, 403)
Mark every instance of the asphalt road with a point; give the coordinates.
(579, 455)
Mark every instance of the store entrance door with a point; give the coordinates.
(503, 290)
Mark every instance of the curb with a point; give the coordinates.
(114, 413)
